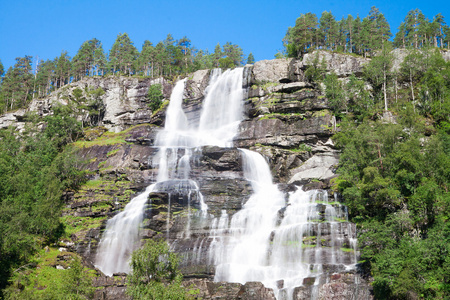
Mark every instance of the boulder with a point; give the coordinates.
(275, 70)
(320, 166)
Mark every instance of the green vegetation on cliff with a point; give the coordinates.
(394, 176)
(155, 273)
(35, 171)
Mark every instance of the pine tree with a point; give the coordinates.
(303, 36)
(349, 23)
(45, 77)
(328, 30)
(90, 59)
(184, 45)
(250, 59)
(414, 27)
(379, 31)
(146, 59)
(123, 55)
(2, 71)
(217, 55)
(437, 30)
(16, 88)
(400, 36)
(63, 69)
(233, 54)
(357, 35)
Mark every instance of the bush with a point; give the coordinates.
(155, 273)
(155, 97)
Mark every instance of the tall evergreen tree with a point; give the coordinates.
(63, 69)
(357, 35)
(122, 55)
(233, 53)
(2, 71)
(146, 60)
(45, 77)
(400, 36)
(437, 30)
(303, 36)
(90, 59)
(16, 88)
(250, 59)
(414, 27)
(380, 31)
(217, 55)
(350, 32)
(328, 30)
(186, 59)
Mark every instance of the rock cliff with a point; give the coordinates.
(286, 119)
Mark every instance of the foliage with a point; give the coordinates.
(41, 280)
(377, 72)
(316, 71)
(348, 34)
(334, 92)
(155, 97)
(34, 172)
(250, 59)
(155, 273)
(394, 180)
(169, 58)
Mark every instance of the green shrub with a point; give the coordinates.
(155, 97)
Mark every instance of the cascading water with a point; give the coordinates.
(223, 101)
(278, 239)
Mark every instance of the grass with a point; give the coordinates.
(112, 152)
(108, 138)
(347, 250)
(41, 279)
(77, 224)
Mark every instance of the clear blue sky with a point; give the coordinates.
(46, 27)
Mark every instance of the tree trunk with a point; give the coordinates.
(384, 91)
(412, 88)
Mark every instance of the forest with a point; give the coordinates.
(169, 58)
(393, 175)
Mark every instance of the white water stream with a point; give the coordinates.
(221, 114)
(274, 239)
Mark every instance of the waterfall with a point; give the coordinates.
(217, 126)
(280, 239)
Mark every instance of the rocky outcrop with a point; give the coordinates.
(342, 64)
(287, 120)
(16, 119)
(225, 290)
(124, 101)
(276, 70)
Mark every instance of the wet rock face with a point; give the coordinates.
(287, 120)
(340, 286)
(226, 290)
